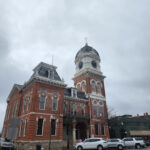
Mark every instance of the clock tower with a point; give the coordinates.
(88, 76)
(89, 79)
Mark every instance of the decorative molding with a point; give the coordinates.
(75, 99)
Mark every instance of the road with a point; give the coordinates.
(147, 148)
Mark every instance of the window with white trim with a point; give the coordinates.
(99, 88)
(102, 129)
(24, 105)
(95, 108)
(25, 127)
(75, 109)
(101, 110)
(96, 129)
(71, 108)
(42, 102)
(20, 129)
(82, 110)
(93, 86)
(28, 105)
(53, 127)
(83, 85)
(64, 107)
(55, 103)
(40, 126)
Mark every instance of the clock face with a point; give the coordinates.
(80, 64)
(94, 64)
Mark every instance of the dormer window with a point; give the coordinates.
(43, 72)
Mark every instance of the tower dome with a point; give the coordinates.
(87, 58)
(87, 51)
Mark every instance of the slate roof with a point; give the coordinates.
(86, 49)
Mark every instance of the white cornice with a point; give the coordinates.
(87, 71)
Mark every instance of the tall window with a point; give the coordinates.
(83, 86)
(96, 129)
(15, 111)
(95, 110)
(53, 127)
(55, 101)
(3, 133)
(101, 110)
(24, 105)
(64, 108)
(99, 88)
(42, 102)
(75, 109)
(28, 105)
(102, 129)
(20, 129)
(71, 108)
(93, 85)
(40, 127)
(82, 110)
(25, 127)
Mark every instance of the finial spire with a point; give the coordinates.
(86, 41)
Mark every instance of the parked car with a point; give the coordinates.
(5, 143)
(92, 143)
(136, 142)
(116, 143)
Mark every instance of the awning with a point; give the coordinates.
(140, 133)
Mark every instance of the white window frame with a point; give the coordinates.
(44, 102)
(25, 127)
(42, 127)
(53, 102)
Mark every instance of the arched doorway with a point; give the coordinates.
(81, 131)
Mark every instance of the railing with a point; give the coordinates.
(76, 115)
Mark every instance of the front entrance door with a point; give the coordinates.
(81, 130)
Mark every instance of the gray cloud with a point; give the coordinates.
(33, 31)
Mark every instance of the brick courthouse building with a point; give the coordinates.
(51, 111)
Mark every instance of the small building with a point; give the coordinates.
(54, 115)
(128, 125)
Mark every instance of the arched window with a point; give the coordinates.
(93, 86)
(42, 102)
(28, 105)
(101, 109)
(95, 108)
(55, 102)
(99, 86)
(83, 86)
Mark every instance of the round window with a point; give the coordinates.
(80, 64)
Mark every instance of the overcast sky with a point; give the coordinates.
(33, 31)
